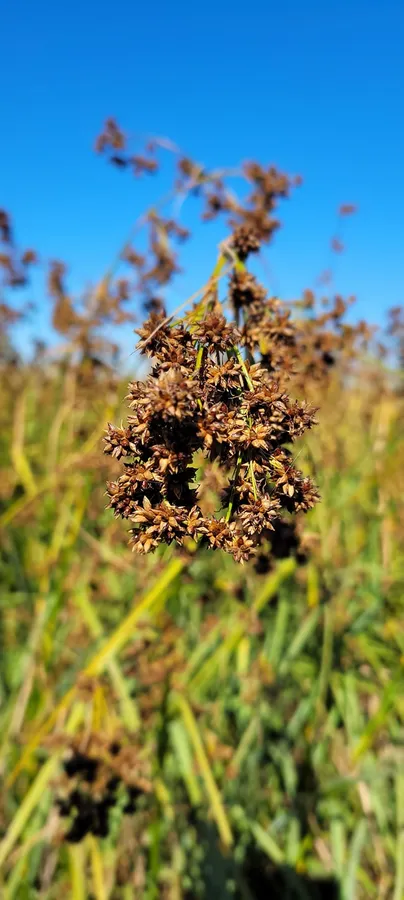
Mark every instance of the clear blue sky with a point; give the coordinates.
(315, 87)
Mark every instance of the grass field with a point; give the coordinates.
(265, 711)
(178, 725)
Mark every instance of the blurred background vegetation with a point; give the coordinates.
(261, 707)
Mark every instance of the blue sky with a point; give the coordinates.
(315, 87)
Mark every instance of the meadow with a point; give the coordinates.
(182, 724)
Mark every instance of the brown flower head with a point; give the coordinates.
(214, 333)
(244, 241)
(208, 406)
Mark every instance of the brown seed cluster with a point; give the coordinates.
(96, 769)
(245, 240)
(14, 264)
(324, 338)
(289, 343)
(203, 396)
(268, 329)
(113, 141)
(14, 273)
(251, 219)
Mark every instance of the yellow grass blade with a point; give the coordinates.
(97, 869)
(77, 861)
(218, 810)
(97, 664)
(35, 792)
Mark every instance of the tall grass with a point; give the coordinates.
(176, 725)
(285, 726)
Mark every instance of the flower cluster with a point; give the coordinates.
(252, 219)
(268, 328)
(113, 141)
(287, 342)
(96, 770)
(15, 268)
(203, 397)
(323, 338)
(14, 264)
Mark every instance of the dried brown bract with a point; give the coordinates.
(214, 334)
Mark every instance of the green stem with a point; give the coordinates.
(215, 798)
(244, 368)
(221, 262)
(234, 479)
(253, 481)
(77, 871)
(199, 359)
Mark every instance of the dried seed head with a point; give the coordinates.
(244, 241)
(244, 290)
(225, 408)
(214, 333)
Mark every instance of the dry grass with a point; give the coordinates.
(284, 724)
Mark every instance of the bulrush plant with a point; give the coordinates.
(216, 393)
(205, 396)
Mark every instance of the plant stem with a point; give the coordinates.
(231, 501)
(244, 368)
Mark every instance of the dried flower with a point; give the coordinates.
(244, 241)
(94, 769)
(202, 396)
